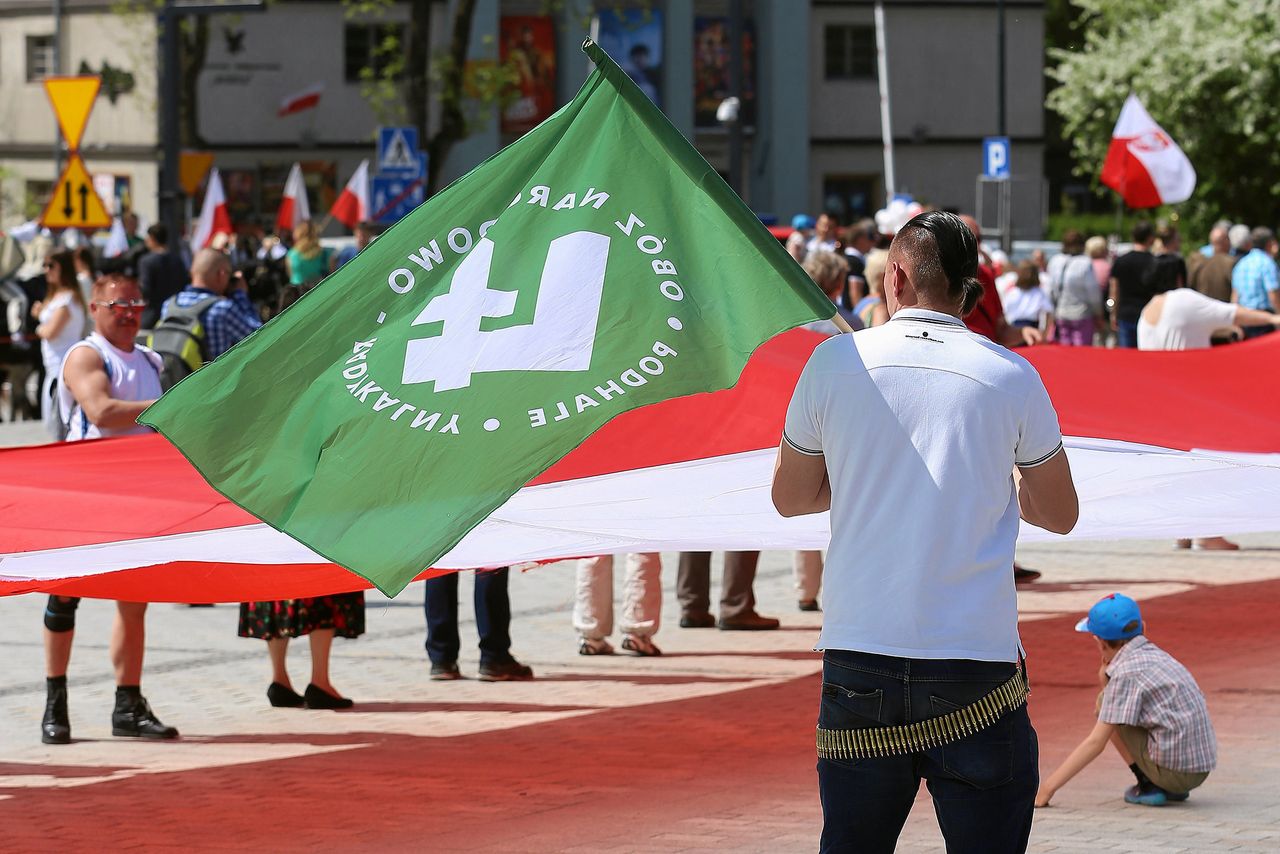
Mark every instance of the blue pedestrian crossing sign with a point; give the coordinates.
(398, 152)
(995, 157)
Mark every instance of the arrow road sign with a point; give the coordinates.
(74, 203)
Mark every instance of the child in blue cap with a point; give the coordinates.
(1151, 711)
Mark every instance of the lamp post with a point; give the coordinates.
(170, 77)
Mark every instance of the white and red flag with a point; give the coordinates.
(132, 519)
(299, 101)
(294, 207)
(352, 204)
(214, 216)
(1144, 165)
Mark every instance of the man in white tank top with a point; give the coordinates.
(106, 382)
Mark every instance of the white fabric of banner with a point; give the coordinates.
(1127, 491)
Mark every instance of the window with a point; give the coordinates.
(372, 46)
(850, 52)
(848, 197)
(36, 197)
(39, 58)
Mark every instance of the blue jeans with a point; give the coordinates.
(493, 617)
(1126, 333)
(983, 786)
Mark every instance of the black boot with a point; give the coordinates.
(133, 717)
(56, 726)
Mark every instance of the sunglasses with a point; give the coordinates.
(123, 306)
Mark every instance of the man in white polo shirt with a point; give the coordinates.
(926, 441)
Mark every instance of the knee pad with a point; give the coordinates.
(60, 613)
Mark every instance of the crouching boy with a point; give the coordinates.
(1151, 711)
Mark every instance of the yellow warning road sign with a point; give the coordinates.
(192, 167)
(72, 99)
(75, 204)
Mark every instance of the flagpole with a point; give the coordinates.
(886, 125)
(841, 323)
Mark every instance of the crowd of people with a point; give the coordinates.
(101, 376)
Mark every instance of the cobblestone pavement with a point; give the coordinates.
(708, 748)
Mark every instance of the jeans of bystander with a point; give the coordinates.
(983, 785)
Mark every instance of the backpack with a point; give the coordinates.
(178, 339)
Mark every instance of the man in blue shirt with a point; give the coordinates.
(363, 234)
(232, 317)
(1254, 283)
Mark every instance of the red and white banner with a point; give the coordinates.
(299, 101)
(294, 207)
(1144, 165)
(352, 204)
(214, 216)
(130, 518)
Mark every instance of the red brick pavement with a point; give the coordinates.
(613, 780)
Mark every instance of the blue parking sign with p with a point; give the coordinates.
(995, 157)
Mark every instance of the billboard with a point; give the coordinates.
(633, 37)
(528, 46)
(711, 70)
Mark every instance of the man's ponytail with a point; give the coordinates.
(971, 291)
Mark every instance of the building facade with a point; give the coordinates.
(811, 95)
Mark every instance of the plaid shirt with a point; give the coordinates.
(1254, 278)
(226, 322)
(1150, 689)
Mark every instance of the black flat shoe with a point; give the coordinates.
(136, 720)
(317, 698)
(284, 697)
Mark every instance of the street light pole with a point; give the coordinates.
(171, 196)
(735, 91)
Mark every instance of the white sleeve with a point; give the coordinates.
(1209, 313)
(803, 427)
(1039, 437)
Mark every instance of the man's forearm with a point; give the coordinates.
(116, 414)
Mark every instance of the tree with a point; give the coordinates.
(1208, 72)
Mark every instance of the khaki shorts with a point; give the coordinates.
(1179, 782)
(1135, 738)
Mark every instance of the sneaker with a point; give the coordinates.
(809, 605)
(446, 671)
(1176, 797)
(640, 645)
(595, 646)
(1148, 796)
(505, 671)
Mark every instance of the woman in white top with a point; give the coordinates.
(1027, 304)
(62, 323)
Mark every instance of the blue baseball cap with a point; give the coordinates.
(800, 222)
(1114, 618)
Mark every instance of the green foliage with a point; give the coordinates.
(1208, 71)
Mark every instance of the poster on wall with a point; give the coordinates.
(711, 70)
(528, 46)
(633, 37)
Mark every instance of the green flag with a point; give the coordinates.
(594, 266)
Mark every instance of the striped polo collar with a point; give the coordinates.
(924, 315)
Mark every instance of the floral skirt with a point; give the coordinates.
(291, 618)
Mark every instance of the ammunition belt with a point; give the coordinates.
(923, 735)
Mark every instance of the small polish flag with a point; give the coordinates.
(299, 101)
(294, 207)
(117, 240)
(352, 204)
(214, 218)
(1144, 165)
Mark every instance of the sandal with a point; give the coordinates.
(596, 646)
(640, 645)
